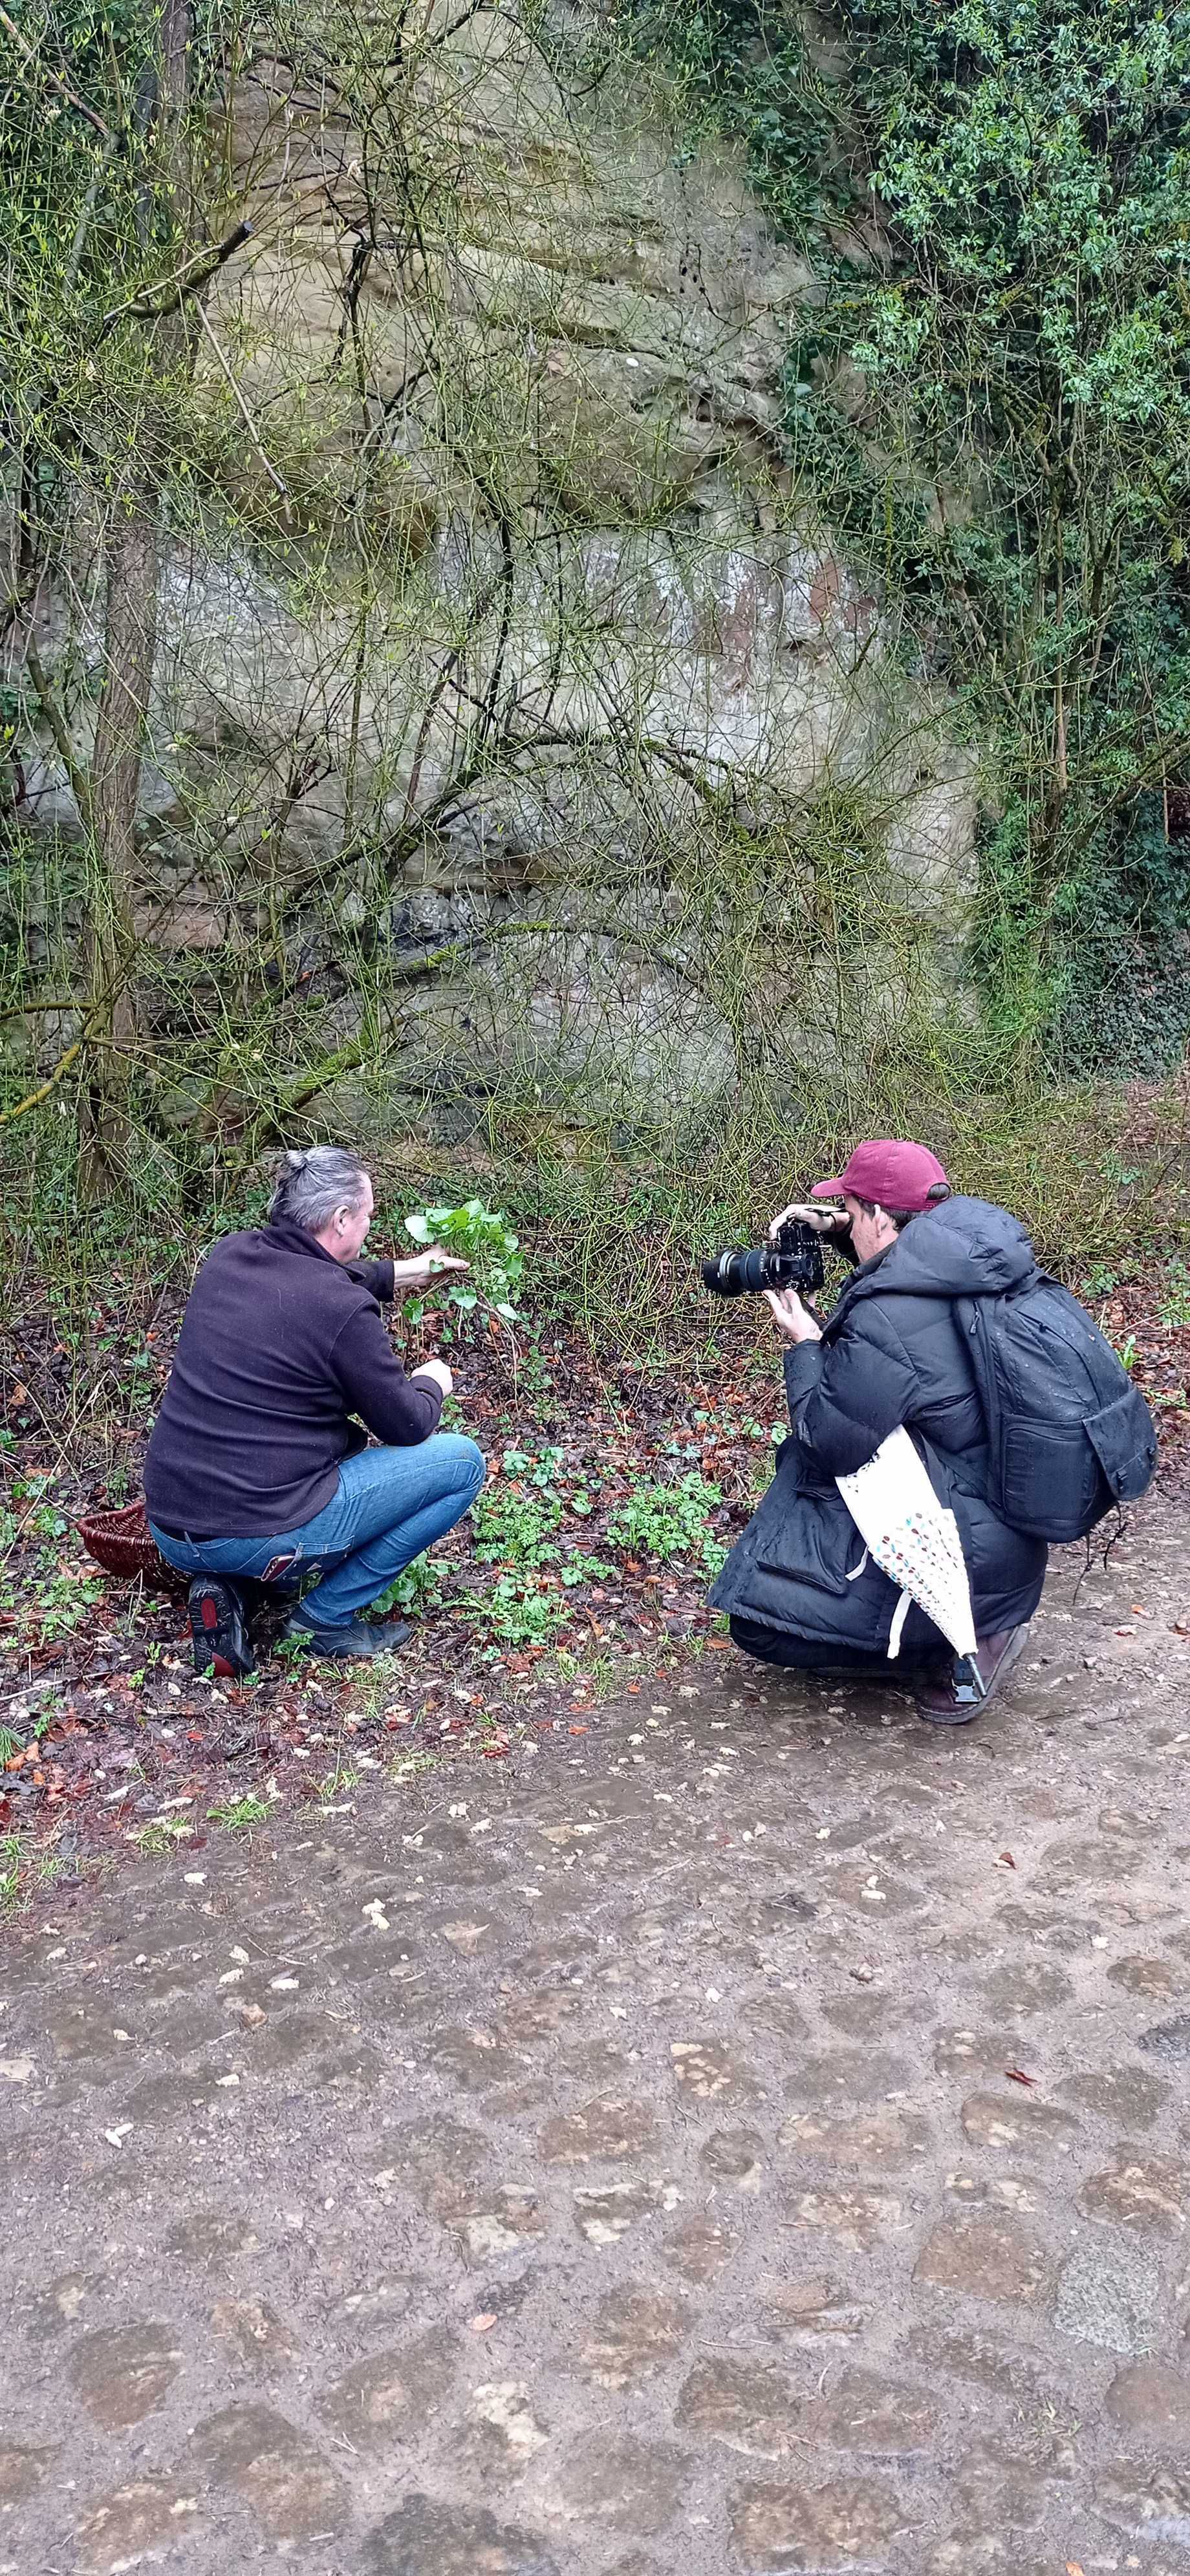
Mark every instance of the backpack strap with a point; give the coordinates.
(975, 1323)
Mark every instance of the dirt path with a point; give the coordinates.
(621, 2159)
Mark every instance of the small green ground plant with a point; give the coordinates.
(519, 1612)
(669, 1521)
(512, 1527)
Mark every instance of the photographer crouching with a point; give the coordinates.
(798, 1586)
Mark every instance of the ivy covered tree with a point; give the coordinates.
(990, 401)
(110, 243)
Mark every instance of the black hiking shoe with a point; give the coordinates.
(217, 1627)
(356, 1636)
(962, 1693)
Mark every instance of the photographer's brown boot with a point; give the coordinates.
(959, 1698)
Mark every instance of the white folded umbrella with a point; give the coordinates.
(914, 1538)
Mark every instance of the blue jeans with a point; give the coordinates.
(391, 1504)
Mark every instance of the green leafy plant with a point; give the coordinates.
(669, 1521)
(584, 1569)
(537, 1467)
(519, 1612)
(50, 1607)
(512, 1527)
(481, 1236)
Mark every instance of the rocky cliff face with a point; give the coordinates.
(503, 630)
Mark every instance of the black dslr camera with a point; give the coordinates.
(792, 1260)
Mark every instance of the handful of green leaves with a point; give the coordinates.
(478, 1234)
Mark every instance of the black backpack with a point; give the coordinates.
(1069, 1434)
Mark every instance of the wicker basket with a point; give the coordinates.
(123, 1543)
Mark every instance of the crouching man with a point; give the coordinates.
(797, 1585)
(258, 1468)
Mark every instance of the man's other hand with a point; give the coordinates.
(438, 1374)
(427, 1265)
(793, 1320)
(823, 1220)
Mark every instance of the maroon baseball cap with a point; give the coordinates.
(891, 1172)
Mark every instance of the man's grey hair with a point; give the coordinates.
(312, 1185)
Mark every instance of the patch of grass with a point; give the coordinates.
(604, 1675)
(409, 1766)
(342, 1777)
(12, 1854)
(238, 1814)
(370, 1687)
(23, 1871)
(161, 1836)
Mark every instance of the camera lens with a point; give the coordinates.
(738, 1274)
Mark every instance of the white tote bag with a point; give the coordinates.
(913, 1538)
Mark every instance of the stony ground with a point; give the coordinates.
(751, 2136)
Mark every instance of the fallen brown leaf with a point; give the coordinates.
(1015, 2076)
(483, 2325)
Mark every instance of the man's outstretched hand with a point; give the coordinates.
(794, 1321)
(424, 1267)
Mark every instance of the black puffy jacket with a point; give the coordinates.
(893, 1351)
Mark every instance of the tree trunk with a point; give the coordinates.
(132, 590)
(130, 635)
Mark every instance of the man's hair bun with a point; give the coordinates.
(313, 1184)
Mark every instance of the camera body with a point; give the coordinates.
(792, 1260)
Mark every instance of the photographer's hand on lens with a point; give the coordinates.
(821, 1220)
(794, 1321)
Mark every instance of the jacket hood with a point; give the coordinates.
(965, 1248)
